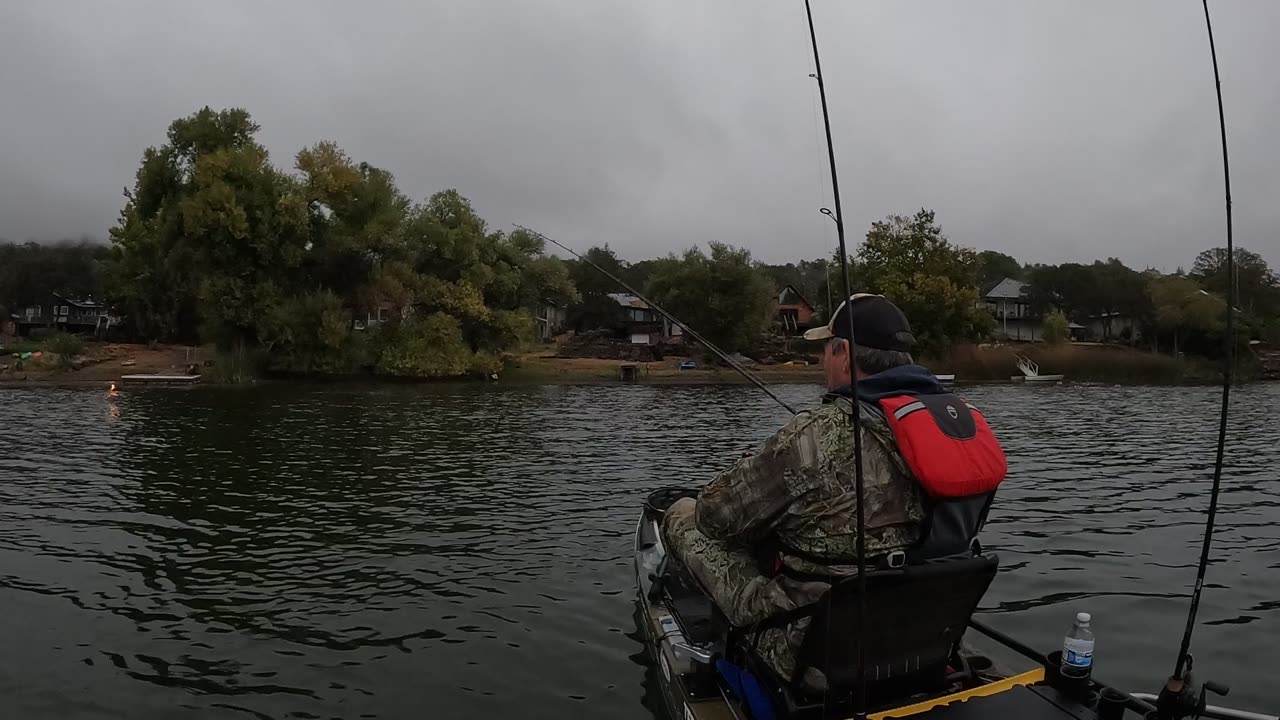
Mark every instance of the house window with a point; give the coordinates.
(33, 312)
(63, 310)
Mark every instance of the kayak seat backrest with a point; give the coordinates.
(916, 616)
(951, 525)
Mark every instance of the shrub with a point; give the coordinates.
(65, 346)
(1057, 328)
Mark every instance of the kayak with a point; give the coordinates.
(704, 673)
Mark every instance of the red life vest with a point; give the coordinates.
(947, 444)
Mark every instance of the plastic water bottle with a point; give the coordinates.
(1077, 648)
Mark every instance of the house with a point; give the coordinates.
(1008, 304)
(550, 319)
(62, 312)
(1112, 327)
(794, 314)
(643, 324)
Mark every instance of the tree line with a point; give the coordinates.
(1182, 311)
(327, 267)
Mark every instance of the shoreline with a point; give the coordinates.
(104, 364)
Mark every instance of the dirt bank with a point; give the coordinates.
(98, 363)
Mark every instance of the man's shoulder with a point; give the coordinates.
(819, 417)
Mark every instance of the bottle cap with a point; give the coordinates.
(1083, 617)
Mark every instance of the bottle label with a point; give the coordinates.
(1077, 653)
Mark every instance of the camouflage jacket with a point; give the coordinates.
(799, 489)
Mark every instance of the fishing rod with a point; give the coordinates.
(860, 692)
(1178, 687)
(750, 376)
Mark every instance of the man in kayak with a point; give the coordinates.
(766, 535)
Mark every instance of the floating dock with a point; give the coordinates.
(159, 379)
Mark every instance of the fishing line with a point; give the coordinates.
(1227, 369)
(692, 333)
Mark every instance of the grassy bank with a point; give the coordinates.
(1079, 363)
(102, 362)
(544, 368)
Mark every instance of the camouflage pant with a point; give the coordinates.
(732, 578)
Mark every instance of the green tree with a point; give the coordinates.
(1189, 316)
(211, 233)
(214, 242)
(1057, 328)
(910, 261)
(637, 274)
(594, 308)
(1257, 286)
(432, 346)
(311, 332)
(996, 266)
(722, 294)
(1070, 287)
(29, 272)
(1119, 292)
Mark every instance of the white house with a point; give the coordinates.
(645, 326)
(1008, 304)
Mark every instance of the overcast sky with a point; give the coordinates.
(1052, 130)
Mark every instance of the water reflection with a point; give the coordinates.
(344, 551)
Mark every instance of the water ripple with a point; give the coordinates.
(463, 551)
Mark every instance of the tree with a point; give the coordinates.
(1057, 328)
(911, 262)
(1070, 287)
(1119, 291)
(594, 308)
(996, 266)
(30, 272)
(722, 294)
(1190, 316)
(1257, 286)
(216, 243)
(208, 234)
(810, 278)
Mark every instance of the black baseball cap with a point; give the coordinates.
(877, 323)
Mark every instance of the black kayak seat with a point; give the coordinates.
(916, 616)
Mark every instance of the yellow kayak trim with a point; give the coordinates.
(1031, 677)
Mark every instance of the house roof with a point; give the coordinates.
(628, 300)
(1007, 289)
(783, 293)
(85, 303)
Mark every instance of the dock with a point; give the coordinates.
(159, 379)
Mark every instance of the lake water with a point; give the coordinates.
(464, 551)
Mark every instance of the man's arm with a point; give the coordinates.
(742, 503)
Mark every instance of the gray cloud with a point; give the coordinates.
(1055, 131)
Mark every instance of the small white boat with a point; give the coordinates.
(1031, 372)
